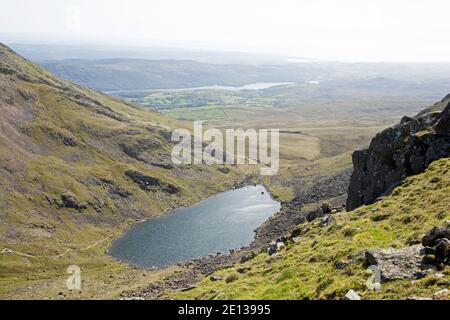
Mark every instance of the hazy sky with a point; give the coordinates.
(375, 30)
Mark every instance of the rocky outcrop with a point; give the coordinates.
(406, 263)
(437, 243)
(400, 151)
(69, 201)
(148, 183)
(415, 261)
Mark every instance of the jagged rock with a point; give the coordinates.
(438, 244)
(115, 190)
(442, 250)
(280, 246)
(326, 208)
(283, 238)
(142, 180)
(148, 183)
(275, 246)
(312, 215)
(165, 134)
(326, 220)
(398, 152)
(69, 141)
(352, 295)
(69, 201)
(429, 239)
(406, 263)
(129, 149)
(272, 248)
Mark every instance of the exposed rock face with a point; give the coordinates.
(436, 233)
(400, 151)
(149, 183)
(69, 201)
(437, 242)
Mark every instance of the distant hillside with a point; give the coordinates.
(76, 167)
(132, 74)
(46, 52)
(427, 81)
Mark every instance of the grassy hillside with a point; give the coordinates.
(308, 268)
(72, 162)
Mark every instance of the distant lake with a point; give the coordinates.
(222, 222)
(252, 86)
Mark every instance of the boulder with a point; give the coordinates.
(275, 246)
(148, 183)
(326, 220)
(272, 248)
(295, 239)
(442, 250)
(352, 295)
(429, 239)
(69, 201)
(406, 263)
(280, 246)
(6, 251)
(326, 208)
(438, 244)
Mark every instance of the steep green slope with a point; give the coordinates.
(327, 261)
(76, 167)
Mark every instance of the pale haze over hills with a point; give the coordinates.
(347, 30)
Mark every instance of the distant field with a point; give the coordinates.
(197, 113)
